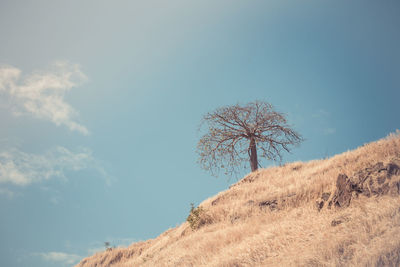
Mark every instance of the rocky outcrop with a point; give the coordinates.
(340, 220)
(271, 204)
(380, 179)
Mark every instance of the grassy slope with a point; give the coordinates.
(237, 232)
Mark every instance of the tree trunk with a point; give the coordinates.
(253, 155)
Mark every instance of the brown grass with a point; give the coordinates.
(240, 232)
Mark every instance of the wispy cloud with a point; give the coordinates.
(42, 93)
(321, 113)
(59, 257)
(323, 119)
(328, 131)
(7, 193)
(21, 168)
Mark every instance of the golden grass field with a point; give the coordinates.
(239, 228)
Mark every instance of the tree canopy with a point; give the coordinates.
(239, 134)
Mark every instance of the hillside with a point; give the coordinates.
(341, 211)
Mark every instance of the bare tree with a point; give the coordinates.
(237, 133)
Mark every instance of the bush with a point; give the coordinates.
(195, 218)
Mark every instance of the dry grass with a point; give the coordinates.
(240, 232)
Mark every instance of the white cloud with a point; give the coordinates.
(8, 77)
(41, 94)
(21, 169)
(59, 257)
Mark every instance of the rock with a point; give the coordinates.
(339, 220)
(319, 204)
(234, 218)
(272, 204)
(322, 200)
(215, 201)
(336, 222)
(381, 179)
(377, 167)
(392, 169)
(374, 181)
(343, 192)
(325, 196)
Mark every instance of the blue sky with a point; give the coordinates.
(100, 102)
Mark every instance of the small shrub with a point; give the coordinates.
(195, 217)
(107, 245)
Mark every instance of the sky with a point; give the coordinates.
(100, 103)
